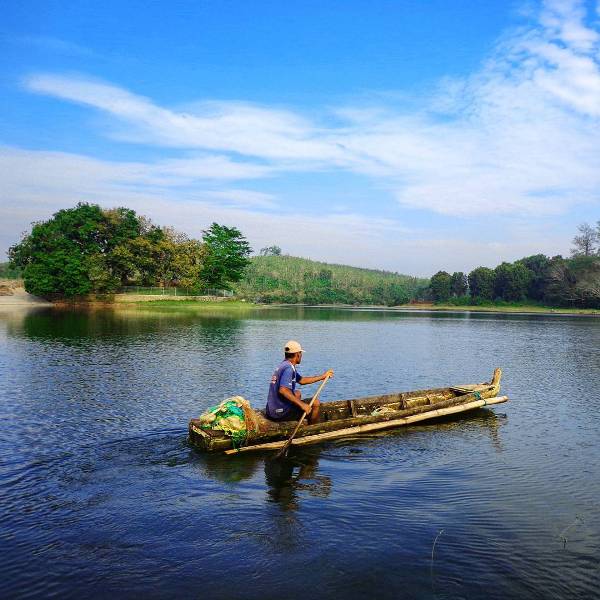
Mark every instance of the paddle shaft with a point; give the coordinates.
(287, 444)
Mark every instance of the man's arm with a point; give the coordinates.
(307, 380)
(288, 395)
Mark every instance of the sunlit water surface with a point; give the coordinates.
(101, 495)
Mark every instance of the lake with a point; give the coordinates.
(101, 495)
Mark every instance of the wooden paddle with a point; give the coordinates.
(284, 450)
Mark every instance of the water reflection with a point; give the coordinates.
(298, 472)
(288, 480)
(225, 469)
(70, 326)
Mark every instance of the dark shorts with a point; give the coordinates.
(293, 414)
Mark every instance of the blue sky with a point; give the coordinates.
(411, 136)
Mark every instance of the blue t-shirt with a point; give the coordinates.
(287, 376)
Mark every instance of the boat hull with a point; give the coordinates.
(360, 415)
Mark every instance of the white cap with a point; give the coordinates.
(292, 347)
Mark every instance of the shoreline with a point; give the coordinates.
(423, 308)
(21, 299)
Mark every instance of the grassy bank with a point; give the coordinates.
(224, 304)
(241, 305)
(503, 308)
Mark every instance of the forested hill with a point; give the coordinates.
(289, 279)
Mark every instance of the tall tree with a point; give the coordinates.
(459, 284)
(584, 244)
(226, 256)
(440, 286)
(511, 281)
(538, 266)
(481, 283)
(71, 254)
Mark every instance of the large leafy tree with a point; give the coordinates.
(459, 284)
(226, 253)
(538, 266)
(80, 250)
(441, 286)
(70, 254)
(481, 283)
(511, 281)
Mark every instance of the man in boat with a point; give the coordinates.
(284, 402)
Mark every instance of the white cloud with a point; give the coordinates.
(37, 184)
(520, 135)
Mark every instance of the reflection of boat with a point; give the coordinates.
(350, 417)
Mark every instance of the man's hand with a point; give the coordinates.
(306, 407)
(328, 372)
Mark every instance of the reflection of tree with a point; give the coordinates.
(298, 472)
(73, 325)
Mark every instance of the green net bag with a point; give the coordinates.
(234, 417)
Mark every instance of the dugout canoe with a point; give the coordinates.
(342, 418)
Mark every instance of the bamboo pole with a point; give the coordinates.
(329, 435)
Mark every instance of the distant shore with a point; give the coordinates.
(523, 310)
(19, 298)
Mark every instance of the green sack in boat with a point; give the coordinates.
(233, 416)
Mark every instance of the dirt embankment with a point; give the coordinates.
(12, 293)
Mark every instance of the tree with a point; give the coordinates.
(481, 283)
(574, 282)
(440, 286)
(538, 266)
(88, 249)
(71, 254)
(459, 284)
(270, 251)
(511, 281)
(226, 254)
(585, 243)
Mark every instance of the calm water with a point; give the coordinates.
(102, 496)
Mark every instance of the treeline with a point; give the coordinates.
(557, 281)
(90, 250)
(278, 278)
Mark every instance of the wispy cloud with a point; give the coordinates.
(36, 184)
(519, 135)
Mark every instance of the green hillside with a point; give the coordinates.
(289, 279)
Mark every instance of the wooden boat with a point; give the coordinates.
(350, 417)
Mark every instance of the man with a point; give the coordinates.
(284, 402)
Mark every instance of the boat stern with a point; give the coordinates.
(495, 382)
